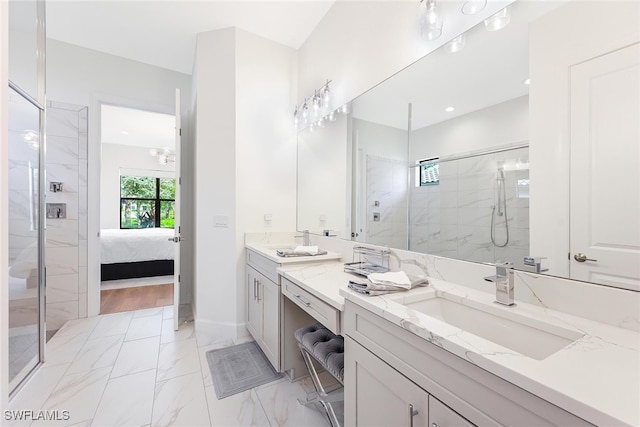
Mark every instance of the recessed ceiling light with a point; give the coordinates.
(526, 82)
(124, 132)
(449, 109)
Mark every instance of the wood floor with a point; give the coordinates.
(118, 300)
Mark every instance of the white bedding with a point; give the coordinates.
(133, 245)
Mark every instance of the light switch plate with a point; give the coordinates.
(221, 221)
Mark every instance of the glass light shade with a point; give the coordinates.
(498, 21)
(472, 7)
(457, 44)
(326, 96)
(430, 20)
(332, 116)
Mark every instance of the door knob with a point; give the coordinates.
(580, 257)
(176, 239)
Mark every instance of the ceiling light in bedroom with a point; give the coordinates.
(163, 155)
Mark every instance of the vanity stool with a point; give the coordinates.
(320, 346)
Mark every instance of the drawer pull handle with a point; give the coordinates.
(412, 413)
(307, 304)
(258, 291)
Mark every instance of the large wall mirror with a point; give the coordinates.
(436, 159)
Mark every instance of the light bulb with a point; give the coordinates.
(326, 96)
(344, 109)
(305, 111)
(332, 116)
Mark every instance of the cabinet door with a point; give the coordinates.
(254, 308)
(269, 296)
(440, 415)
(378, 395)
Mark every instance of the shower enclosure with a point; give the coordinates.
(26, 149)
(475, 207)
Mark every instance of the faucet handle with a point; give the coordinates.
(502, 267)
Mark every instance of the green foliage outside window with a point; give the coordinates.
(147, 202)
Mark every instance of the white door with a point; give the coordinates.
(605, 162)
(176, 233)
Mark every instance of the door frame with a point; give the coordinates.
(94, 159)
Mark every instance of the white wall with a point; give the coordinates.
(498, 125)
(86, 77)
(4, 205)
(115, 158)
(245, 164)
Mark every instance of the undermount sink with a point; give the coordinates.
(527, 336)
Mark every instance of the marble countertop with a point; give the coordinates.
(324, 281)
(596, 377)
(269, 251)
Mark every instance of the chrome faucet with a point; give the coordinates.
(504, 283)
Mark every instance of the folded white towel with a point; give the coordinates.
(395, 278)
(307, 250)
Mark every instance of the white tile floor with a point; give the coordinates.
(132, 369)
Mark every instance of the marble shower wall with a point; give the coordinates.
(386, 201)
(66, 253)
(453, 218)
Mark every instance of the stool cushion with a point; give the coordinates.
(325, 346)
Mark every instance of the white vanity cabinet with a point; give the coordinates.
(263, 305)
(383, 396)
(388, 368)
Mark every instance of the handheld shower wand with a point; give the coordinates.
(500, 208)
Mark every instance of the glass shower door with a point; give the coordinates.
(24, 238)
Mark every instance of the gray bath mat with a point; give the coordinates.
(238, 368)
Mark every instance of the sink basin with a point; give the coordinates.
(527, 336)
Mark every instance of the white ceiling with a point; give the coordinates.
(126, 126)
(163, 33)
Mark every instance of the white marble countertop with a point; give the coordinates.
(596, 377)
(269, 251)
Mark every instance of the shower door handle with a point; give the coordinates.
(580, 257)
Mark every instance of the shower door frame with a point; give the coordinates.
(39, 102)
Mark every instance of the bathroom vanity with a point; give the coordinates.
(265, 317)
(446, 354)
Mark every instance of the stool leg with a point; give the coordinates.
(321, 394)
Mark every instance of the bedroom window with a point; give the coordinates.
(147, 202)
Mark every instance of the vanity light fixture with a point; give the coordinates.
(498, 21)
(449, 109)
(163, 155)
(457, 44)
(317, 110)
(472, 7)
(430, 20)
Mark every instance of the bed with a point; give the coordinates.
(134, 253)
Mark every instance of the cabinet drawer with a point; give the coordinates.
(318, 309)
(263, 265)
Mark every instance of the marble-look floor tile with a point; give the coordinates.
(137, 356)
(79, 394)
(37, 391)
(180, 401)
(282, 408)
(148, 312)
(62, 349)
(144, 327)
(167, 312)
(242, 409)
(186, 331)
(97, 353)
(73, 327)
(112, 324)
(127, 401)
(178, 358)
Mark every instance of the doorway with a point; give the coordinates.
(137, 208)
